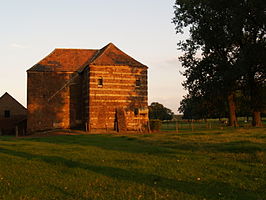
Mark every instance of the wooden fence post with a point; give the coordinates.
(16, 131)
(149, 127)
(86, 127)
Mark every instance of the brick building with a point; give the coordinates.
(12, 116)
(95, 90)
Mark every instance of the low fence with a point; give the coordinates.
(193, 125)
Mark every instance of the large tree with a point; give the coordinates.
(158, 111)
(218, 31)
(250, 23)
(201, 107)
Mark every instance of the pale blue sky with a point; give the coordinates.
(31, 29)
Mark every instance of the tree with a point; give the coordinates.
(158, 111)
(215, 72)
(219, 30)
(202, 108)
(251, 37)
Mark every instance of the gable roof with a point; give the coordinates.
(70, 60)
(111, 55)
(7, 98)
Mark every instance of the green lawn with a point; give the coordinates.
(210, 124)
(218, 164)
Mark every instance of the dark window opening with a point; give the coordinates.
(138, 83)
(100, 82)
(7, 113)
(136, 111)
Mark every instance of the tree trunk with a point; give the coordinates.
(256, 101)
(256, 119)
(232, 111)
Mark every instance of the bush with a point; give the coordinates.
(155, 124)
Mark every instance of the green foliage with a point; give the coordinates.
(202, 107)
(221, 164)
(155, 124)
(158, 111)
(225, 50)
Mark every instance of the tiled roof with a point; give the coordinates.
(111, 55)
(64, 60)
(70, 60)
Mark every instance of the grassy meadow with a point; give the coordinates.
(204, 164)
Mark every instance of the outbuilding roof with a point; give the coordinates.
(71, 60)
(6, 100)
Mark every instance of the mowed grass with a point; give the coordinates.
(218, 164)
(210, 124)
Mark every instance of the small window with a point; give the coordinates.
(138, 83)
(136, 111)
(100, 82)
(7, 113)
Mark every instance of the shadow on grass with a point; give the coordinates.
(152, 147)
(118, 143)
(210, 190)
(239, 147)
(6, 138)
(227, 147)
(236, 147)
(170, 148)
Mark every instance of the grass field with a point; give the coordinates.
(210, 124)
(212, 164)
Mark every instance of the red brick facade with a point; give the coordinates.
(94, 90)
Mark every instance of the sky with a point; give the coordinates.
(31, 29)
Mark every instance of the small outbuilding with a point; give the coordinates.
(13, 116)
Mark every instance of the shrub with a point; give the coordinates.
(155, 124)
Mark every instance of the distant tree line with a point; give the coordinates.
(224, 58)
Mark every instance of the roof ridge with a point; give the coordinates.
(96, 56)
(102, 50)
(111, 45)
(75, 49)
(6, 93)
(76, 60)
(89, 61)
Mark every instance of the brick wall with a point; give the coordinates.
(83, 103)
(119, 91)
(45, 112)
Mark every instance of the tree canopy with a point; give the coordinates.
(158, 111)
(224, 53)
